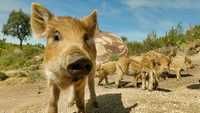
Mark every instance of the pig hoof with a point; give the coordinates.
(100, 84)
(137, 85)
(178, 79)
(143, 88)
(150, 90)
(71, 104)
(118, 86)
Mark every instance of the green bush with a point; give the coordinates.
(114, 57)
(135, 48)
(174, 37)
(193, 33)
(10, 59)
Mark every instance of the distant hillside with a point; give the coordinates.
(12, 57)
(176, 36)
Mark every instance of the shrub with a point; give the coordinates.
(11, 57)
(114, 57)
(174, 37)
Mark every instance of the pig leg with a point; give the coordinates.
(136, 79)
(178, 74)
(106, 80)
(100, 80)
(91, 86)
(119, 76)
(158, 74)
(151, 81)
(144, 80)
(53, 100)
(79, 96)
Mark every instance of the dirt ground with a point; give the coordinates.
(172, 97)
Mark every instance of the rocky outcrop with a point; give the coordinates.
(109, 44)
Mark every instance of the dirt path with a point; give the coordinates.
(173, 97)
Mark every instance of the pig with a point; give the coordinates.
(119, 68)
(149, 73)
(104, 70)
(180, 63)
(135, 70)
(69, 55)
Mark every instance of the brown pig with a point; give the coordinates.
(70, 54)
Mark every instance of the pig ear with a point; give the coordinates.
(90, 21)
(39, 18)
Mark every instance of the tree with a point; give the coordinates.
(18, 25)
(193, 33)
(124, 39)
(151, 42)
(175, 36)
(135, 48)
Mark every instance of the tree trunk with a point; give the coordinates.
(21, 41)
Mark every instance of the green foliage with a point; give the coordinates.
(174, 37)
(124, 39)
(151, 42)
(114, 57)
(18, 25)
(193, 33)
(36, 76)
(11, 57)
(135, 48)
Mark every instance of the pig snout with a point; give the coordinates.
(79, 67)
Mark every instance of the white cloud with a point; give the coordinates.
(184, 4)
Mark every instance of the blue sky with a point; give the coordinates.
(130, 18)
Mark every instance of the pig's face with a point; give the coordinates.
(70, 51)
(164, 63)
(188, 63)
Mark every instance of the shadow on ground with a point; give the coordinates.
(163, 90)
(109, 103)
(123, 84)
(171, 75)
(194, 86)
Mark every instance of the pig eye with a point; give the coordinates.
(86, 38)
(56, 36)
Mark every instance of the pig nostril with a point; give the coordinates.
(88, 67)
(81, 66)
(75, 67)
